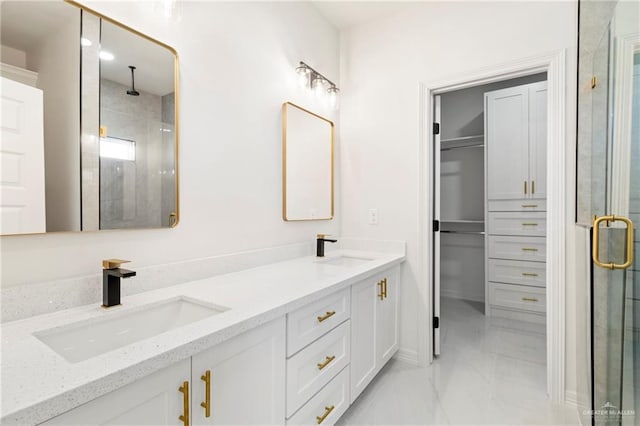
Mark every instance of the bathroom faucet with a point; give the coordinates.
(320, 244)
(111, 275)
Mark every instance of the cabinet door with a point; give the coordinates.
(538, 139)
(507, 138)
(387, 319)
(364, 298)
(247, 379)
(152, 400)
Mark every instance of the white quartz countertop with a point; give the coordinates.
(38, 384)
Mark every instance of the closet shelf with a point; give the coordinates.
(463, 139)
(462, 221)
(463, 232)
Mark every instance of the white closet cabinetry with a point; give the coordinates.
(374, 327)
(516, 126)
(516, 150)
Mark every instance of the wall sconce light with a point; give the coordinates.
(321, 85)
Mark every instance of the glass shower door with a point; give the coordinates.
(615, 197)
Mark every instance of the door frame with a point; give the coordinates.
(554, 65)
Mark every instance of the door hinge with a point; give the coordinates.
(436, 128)
(436, 225)
(436, 322)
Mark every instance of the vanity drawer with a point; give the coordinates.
(518, 272)
(314, 366)
(326, 406)
(518, 248)
(522, 205)
(520, 297)
(518, 223)
(312, 321)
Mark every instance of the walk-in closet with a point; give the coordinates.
(489, 207)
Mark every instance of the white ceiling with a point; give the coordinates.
(346, 14)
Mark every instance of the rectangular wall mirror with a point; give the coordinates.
(307, 165)
(89, 124)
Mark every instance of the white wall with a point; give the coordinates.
(383, 63)
(14, 57)
(237, 67)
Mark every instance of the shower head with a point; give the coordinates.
(133, 91)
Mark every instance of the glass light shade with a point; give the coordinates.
(303, 76)
(333, 97)
(317, 85)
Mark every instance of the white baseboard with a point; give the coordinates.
(407, 355)
(571, 398)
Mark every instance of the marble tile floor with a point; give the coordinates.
(490, 372)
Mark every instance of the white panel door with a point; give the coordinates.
(387, 318)
(538, 139)
(153, 400)
(363, 335)
(22, 197)
(507, 136)
(247, 379)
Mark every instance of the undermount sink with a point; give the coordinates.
(347, 261)
(83, 340)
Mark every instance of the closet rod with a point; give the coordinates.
(448, 148)
(464, 232)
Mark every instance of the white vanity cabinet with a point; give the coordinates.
(153, 400)
(246, 386)
(374, 327)
(246, 379)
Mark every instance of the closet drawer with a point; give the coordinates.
(518, 223)
(314, 366)
(523, 205)
(518, 248)
(520, 297)
(518, 272)
(312, 321)
(326, 406)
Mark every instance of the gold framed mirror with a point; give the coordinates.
(307, 165)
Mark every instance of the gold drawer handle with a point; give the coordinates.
(328, 315)
(327, 361)
(384, 288)
(206, 378)
(529, 274)
(185, 402)
(530, 205)
(525, 186)
(529, 299)
(533, 186)
(529, 249)
(381, 285)
(529, 224)
(327, 411)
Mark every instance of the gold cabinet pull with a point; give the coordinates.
(185, 402)
(596, 242)
(381, 294)
(327, 411)
(533, 187)
(529, 299)
(529, 249)
(529, 224)
(529, 274)
(530, 205)
(384, 287)
(525, 186)
(326, 362)
(206, 378)
(173, 219)
(328, 315)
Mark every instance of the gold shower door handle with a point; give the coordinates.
(596, 242)
(173, 219)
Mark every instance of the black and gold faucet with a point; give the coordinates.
(111, 275)
(320, 244)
